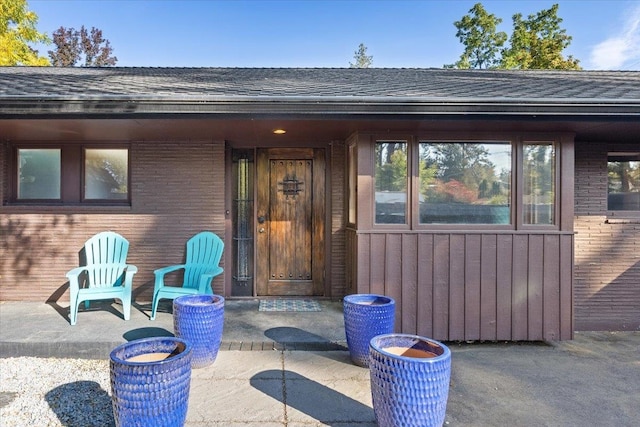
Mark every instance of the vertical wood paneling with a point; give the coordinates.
(409, 284)
(456, 287)
(425, 285)
(441, 287)
(551, 289)
(378, 255)
(364, 264)
(534, 287)
(519, 294)
(488, 285)
(472, 276)
(393, 273)
(504, 286)
(566, 287)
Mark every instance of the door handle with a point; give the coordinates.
(261, 230)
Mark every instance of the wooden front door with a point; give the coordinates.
(290, 222)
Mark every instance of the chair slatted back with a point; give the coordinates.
(204, 251)
(106, 252)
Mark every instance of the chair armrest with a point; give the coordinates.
(161, 272)
(204, 286)
(128, 275)
(73, 276)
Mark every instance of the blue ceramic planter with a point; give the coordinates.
(365, 316)
(199, 319)
(150, 381)
(409, 380)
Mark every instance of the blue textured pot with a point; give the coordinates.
(199, 319)
(365, 316)
(407, 388)
(147, 392)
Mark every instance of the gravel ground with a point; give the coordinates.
(55, 392)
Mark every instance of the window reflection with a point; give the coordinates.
(106, 174)
(539, 187)
(465, 183)
(391, 182)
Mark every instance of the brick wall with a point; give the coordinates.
(607, 251)
(177, 190)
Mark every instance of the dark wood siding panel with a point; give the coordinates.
(472, 296)
(457, 287)
(519, 292)
(393, 272)
(409, 295)
(476, 286)
(566, 287)
(441, 287)
(364, 264)
(534, 287)
(424, 298)
(488, 288)
(377, 268)
(551, 289)
(504, 286)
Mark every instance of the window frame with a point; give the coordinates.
(620, 214)
(415, 202)
(410, 143)
(517, 184)
(71, 174)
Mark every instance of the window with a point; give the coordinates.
(623, 182)
(391, 182)
(505, 183)
(39, 174)
(106, 174)
(539, 183)
(464, 183)
(69, 174)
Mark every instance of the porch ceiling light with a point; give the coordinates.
(279, 131)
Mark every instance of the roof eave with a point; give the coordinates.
(300, 106)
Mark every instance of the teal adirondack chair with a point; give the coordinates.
(106, 275)
(204, 251)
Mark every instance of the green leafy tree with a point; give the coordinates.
(73, 47)
(537, 43)
(17, 31)
(477, 31)
(362, 60)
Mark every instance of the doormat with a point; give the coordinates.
(289, 305)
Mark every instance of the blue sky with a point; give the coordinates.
(307, 33)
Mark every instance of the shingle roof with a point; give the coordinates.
(319, 82)
(45, 91)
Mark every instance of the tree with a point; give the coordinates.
(361, 58)
(537, 43)
(17, 30)
(71, 45)
(477, 32)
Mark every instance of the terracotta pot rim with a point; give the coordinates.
(186, 350)
(446, 353)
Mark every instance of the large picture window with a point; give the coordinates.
(464, 183)
(623, 182)
(391, 182)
